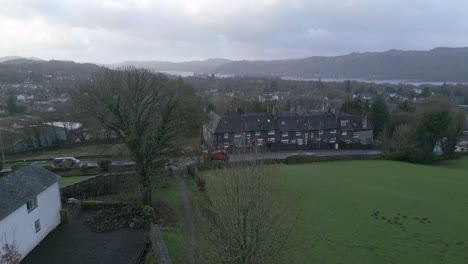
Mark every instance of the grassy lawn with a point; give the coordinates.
(377, 211)
(69, 180)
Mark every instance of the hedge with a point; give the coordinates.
(299, 159)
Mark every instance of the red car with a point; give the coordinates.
(219, 155)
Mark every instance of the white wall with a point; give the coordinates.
(19, 225)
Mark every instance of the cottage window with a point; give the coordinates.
(344, 133)
(258, 133)
(271, 132)
(355, 134)
(260, 142)
(343, 122)
(32, 204)
(284, 134)
(298, 133)
(37, 225)
(333, 131)
(320, 132)
(226, 135)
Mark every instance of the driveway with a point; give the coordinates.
(74, 243)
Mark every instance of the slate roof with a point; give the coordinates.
(354, 122)
(284, 122)
(20, 186)
(246, 122)
(213, 121)
(306, 122)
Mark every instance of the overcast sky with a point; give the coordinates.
(107, 31)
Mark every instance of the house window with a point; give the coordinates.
(320, 132)
(285, 141)
(284, 134)
(298, 133)
(237, 135)
(344, 133)
(271, 132)
(311, 135)
(32, 204)
(271, 140)
(293, 141)
(355, 134)
(258, 133)
(343, 122)
(226, 135)
(333, 131)
(300, 142)
(260, 142)
(226, 145)
(37, 225)
(332, 140)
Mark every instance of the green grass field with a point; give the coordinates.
(72, 179)
(377, 211)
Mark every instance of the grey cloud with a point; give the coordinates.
(279, 30)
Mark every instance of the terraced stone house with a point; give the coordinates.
(315, 131)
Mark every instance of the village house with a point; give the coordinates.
(309, 130)
(29, 207)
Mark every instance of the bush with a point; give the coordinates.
(18, 165)
(48, 167)
(105, 164)
(84, 167)
(210, 165)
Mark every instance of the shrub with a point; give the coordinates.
(105, 165)
(47, 167)
(18, 165)
(84, 167)
(10, 254)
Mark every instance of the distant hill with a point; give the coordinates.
(21, 70)
(203, 66)
(7, 58)
(439, 64)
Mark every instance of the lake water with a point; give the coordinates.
(291, 78)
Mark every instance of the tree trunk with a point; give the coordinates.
(145, 184)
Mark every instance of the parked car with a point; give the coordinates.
(219, 155)
(66, 163)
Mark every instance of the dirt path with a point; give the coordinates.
(188, 216)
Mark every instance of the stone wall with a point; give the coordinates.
(158, 245)
(101, 185)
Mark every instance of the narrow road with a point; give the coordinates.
(188, 216)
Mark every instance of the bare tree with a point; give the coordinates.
(245, 222)
(138, 106)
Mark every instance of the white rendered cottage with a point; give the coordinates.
(29, 207)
